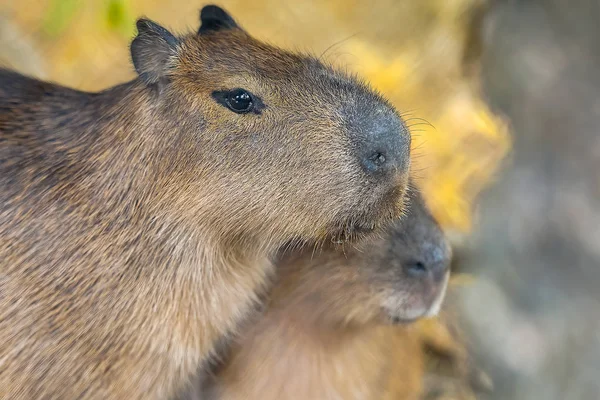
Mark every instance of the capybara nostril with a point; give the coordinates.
(433, 269)
(375, 162)
(416, 269)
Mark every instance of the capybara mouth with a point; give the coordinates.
(347, 235)
(353, 230)
(398, 317)
(428, 307)
(377, 215)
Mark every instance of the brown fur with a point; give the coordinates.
(326, 332)
(137, 224)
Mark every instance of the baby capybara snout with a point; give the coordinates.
(418, 259)
(397, 276)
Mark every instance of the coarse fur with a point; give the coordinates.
(329, 329)
(137, 224)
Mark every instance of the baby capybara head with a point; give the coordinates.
(396, 277)
(276, 142)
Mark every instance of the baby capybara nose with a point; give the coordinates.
(383, 145)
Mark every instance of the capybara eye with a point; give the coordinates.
(238, 100)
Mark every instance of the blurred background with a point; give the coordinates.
(502, 98)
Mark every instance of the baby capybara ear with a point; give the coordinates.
(214, 18)
(152, 50)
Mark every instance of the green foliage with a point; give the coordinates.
(118, 17)
(60, 14)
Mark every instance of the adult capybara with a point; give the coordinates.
(137, 223)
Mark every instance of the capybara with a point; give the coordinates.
(137, 224)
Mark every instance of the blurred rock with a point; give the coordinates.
(534, 315)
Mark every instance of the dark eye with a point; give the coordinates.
(239, 101)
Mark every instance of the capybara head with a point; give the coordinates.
(395, 277)
(277, 142)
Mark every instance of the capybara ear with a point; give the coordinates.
(214, 18)
(152, 51)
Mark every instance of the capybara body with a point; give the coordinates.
(330, 328)
(137, 224)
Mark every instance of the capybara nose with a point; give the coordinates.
(384, 146)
